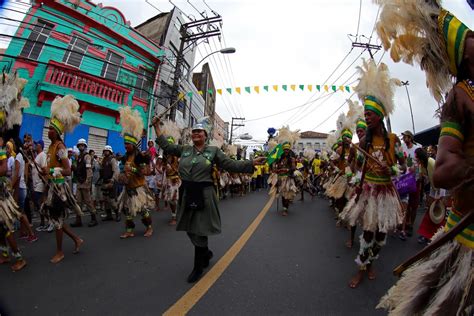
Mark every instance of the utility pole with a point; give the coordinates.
(189, 38)
(369, 48)
(406, 83)
(232, 125)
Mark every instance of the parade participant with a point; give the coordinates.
(159, 173)
(198, 212)
(308, 157)
(83, 172)
(41, 161)
(11, 103)
(109, 173)
(283, 168)
(135, 197)
(64, 118)
(375, 204)
(440, 283)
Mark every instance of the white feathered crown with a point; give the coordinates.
(132, 125)
(65, 114)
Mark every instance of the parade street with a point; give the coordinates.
(294, 265)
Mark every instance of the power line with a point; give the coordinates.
(358, 22)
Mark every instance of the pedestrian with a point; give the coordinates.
(40, 162)
(64, 118)
(198, 212)
(109, 172)
(158, 180)
(440, 283)
(97, 199)
(135, 198)
(375, 204)
(84, 173)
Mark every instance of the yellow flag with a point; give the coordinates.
(219, 91)
(257, 89)
(341, 88)
(238, 90)
(181, 96)
(275, 88)
(310, 88)
(293, 87)
(200, 92)
(326, 88)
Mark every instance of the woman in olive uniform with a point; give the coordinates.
(198, 213)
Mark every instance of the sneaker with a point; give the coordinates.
(50, 228)
(402, 236)
(422, 240)
(41, 228)
(32, 238)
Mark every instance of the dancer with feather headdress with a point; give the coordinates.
(440, 283)
(64, 118)
(375, 204)
(11, 105)
(135, 199)
(283, 168)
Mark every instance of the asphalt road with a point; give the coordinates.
(295, 265)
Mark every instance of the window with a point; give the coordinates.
(76, 50)
(317, 146)
(111, 66)
(38, 36)
(143, 85)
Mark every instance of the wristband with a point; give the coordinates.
(51, 170)
(134, 170)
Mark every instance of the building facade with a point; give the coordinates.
(219, 132)
(91, 52)
(312, 140)
(164, 30)
(204, 83)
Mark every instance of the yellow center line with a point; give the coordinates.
(193, 295)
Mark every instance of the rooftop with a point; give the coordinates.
(311, 134)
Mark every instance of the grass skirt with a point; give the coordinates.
(134, 201)
(441, 284)
(56, 208)
(9, 212)
(284, 185)
(337, 189)
(171, 191)
(377, 209)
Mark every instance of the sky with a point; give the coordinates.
(295, 42)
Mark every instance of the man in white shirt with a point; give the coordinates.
(409, 147)
(38, 185)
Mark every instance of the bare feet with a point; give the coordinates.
(284, 213)
(172, 222)
(371, 273)
(78, 243)
(20, 264)
(57, 257)
(356, 279)
(349, 244)
(148, 232)
(4, 259)
(127, 235)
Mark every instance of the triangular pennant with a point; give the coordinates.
(326, 88)
(341, 88)
(219, 91)
(229, 90)
(284, 87)
(181, 96)
(237, 90)
(348, 89)
(275, 88)
(310, 87)
(257, 89)
(265, 88)
(247, 89)
(318, 87)
(334, 88)
(190, 94)
(293, 87)
(200, 92)
(210, 91)
(302, 87)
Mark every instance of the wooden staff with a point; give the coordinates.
(467, 220)
(175, 103)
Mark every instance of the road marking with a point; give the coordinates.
(193, 295)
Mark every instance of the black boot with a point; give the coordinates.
(93, 221)
(108, 216)
(118, 216)
(199, 253)
(207, 256)
(78, 222)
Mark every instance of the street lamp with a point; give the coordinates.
(406, 83)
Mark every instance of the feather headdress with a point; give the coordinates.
(331, 140)
(423, 32)
(272, 143)
(286, 137)
(171, 131)
(309, 153)
(375, 87)
(11, 101)
(64, 114)
(231, 150)
(132, 125)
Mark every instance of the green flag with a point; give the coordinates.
(210, 91)
(190, 94)
(348, 89)
(247, 89)
(275, 154)
(229, 90)
(266, 88)
(302, 87)
(284, 87)
(318, 87)
(334, 88)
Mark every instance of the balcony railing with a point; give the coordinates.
(72, 78)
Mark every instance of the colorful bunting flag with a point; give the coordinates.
(180, 96)
(200, 92)
(237, 90)
(190, 94)
(302, 87)
(293, 87)
(257, 89)
(326, 88)
(318, 87)
(284, 87)
(310, 87)
(275, 87)
(229, 90)
(341, 88)
(348, 89)
(266, 88)
(219, 91)
(334, 88)
(210, 91)
(247, 89)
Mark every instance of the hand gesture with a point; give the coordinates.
(259, 161)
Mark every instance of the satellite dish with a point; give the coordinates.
(246, 136)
